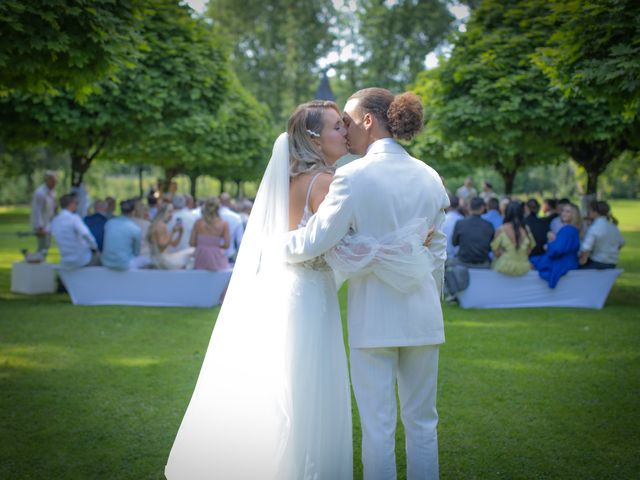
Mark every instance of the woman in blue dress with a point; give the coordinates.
(562, 249)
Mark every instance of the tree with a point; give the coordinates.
(595, 51)
(47, 45)
(276, 46)
(181, 72)
(394, 39)
(492, 105)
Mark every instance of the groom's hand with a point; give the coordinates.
(430, 233)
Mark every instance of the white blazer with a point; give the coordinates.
(376, 195)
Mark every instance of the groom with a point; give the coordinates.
(393, 336)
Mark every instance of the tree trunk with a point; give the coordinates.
(222, 180)
(140, 188)
(79, 165)
(193, 181)
(238, 188)
(169, 173)
(594, 157)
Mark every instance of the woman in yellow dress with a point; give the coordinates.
(512, 242)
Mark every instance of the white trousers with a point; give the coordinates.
(374, 373)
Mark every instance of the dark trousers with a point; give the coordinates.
(593, 265)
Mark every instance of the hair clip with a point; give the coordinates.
(313, 134)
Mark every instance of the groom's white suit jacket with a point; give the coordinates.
(376, 195)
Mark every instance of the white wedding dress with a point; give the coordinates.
(273, 399)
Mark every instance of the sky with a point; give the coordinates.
(460, 12)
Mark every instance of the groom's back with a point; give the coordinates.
(390, 189)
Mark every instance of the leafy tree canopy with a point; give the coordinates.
(182, 72)
(595, 51)
(47, 44)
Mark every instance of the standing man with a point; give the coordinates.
(393, 336)
(43, 209)
(466, 192)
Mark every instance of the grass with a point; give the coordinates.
(99, 392)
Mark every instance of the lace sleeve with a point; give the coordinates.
(398, 259)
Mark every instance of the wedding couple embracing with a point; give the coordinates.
(273, 398)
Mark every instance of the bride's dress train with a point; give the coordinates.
(272, 400)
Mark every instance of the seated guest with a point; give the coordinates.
(473, 236)
(493, 213)
(601, 246)
(512, 243)
(160, 238)
(452, 216)
(122, 241)
(141, 217)
(562, 250)
(538, 227)
(97, 220)
(549, 210)
(185, 217)
(236, 228)
(111, 207)
(556, 224)
(210, 237)
(77, 246)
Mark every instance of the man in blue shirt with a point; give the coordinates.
(97, 221)
(122, 240)
(493, 213)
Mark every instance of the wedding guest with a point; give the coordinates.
(96, 221)
(561, 254)
(452, 216)
(473, 236)
(466, 192)
(487, 192)
(502, 206)
(236, 229)
(512, 243)
(76, 244)
(538, 227)
(152, 203)
(493, 213)
(601, 246)
(210, 237)
(184, 216)
(556, 224)
(122, 238)
(160, 238)
(142, 218)
(111, 207)
(43, 209)
(549, 210)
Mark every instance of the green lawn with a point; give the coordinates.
(98, 392)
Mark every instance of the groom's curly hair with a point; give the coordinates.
(401, 114)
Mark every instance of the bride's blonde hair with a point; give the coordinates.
(306, 123)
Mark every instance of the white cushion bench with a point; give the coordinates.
(578, 288)
(157, 288)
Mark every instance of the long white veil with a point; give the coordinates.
(237, 423)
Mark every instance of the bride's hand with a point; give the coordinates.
(430, 233)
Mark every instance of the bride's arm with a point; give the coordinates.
(326, 227)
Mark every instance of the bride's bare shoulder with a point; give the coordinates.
(320, 190)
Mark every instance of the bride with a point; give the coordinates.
(273, 399)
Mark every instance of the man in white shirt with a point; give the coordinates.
(236, 227)
(601, 246)
(75, 242)
(43, 209)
